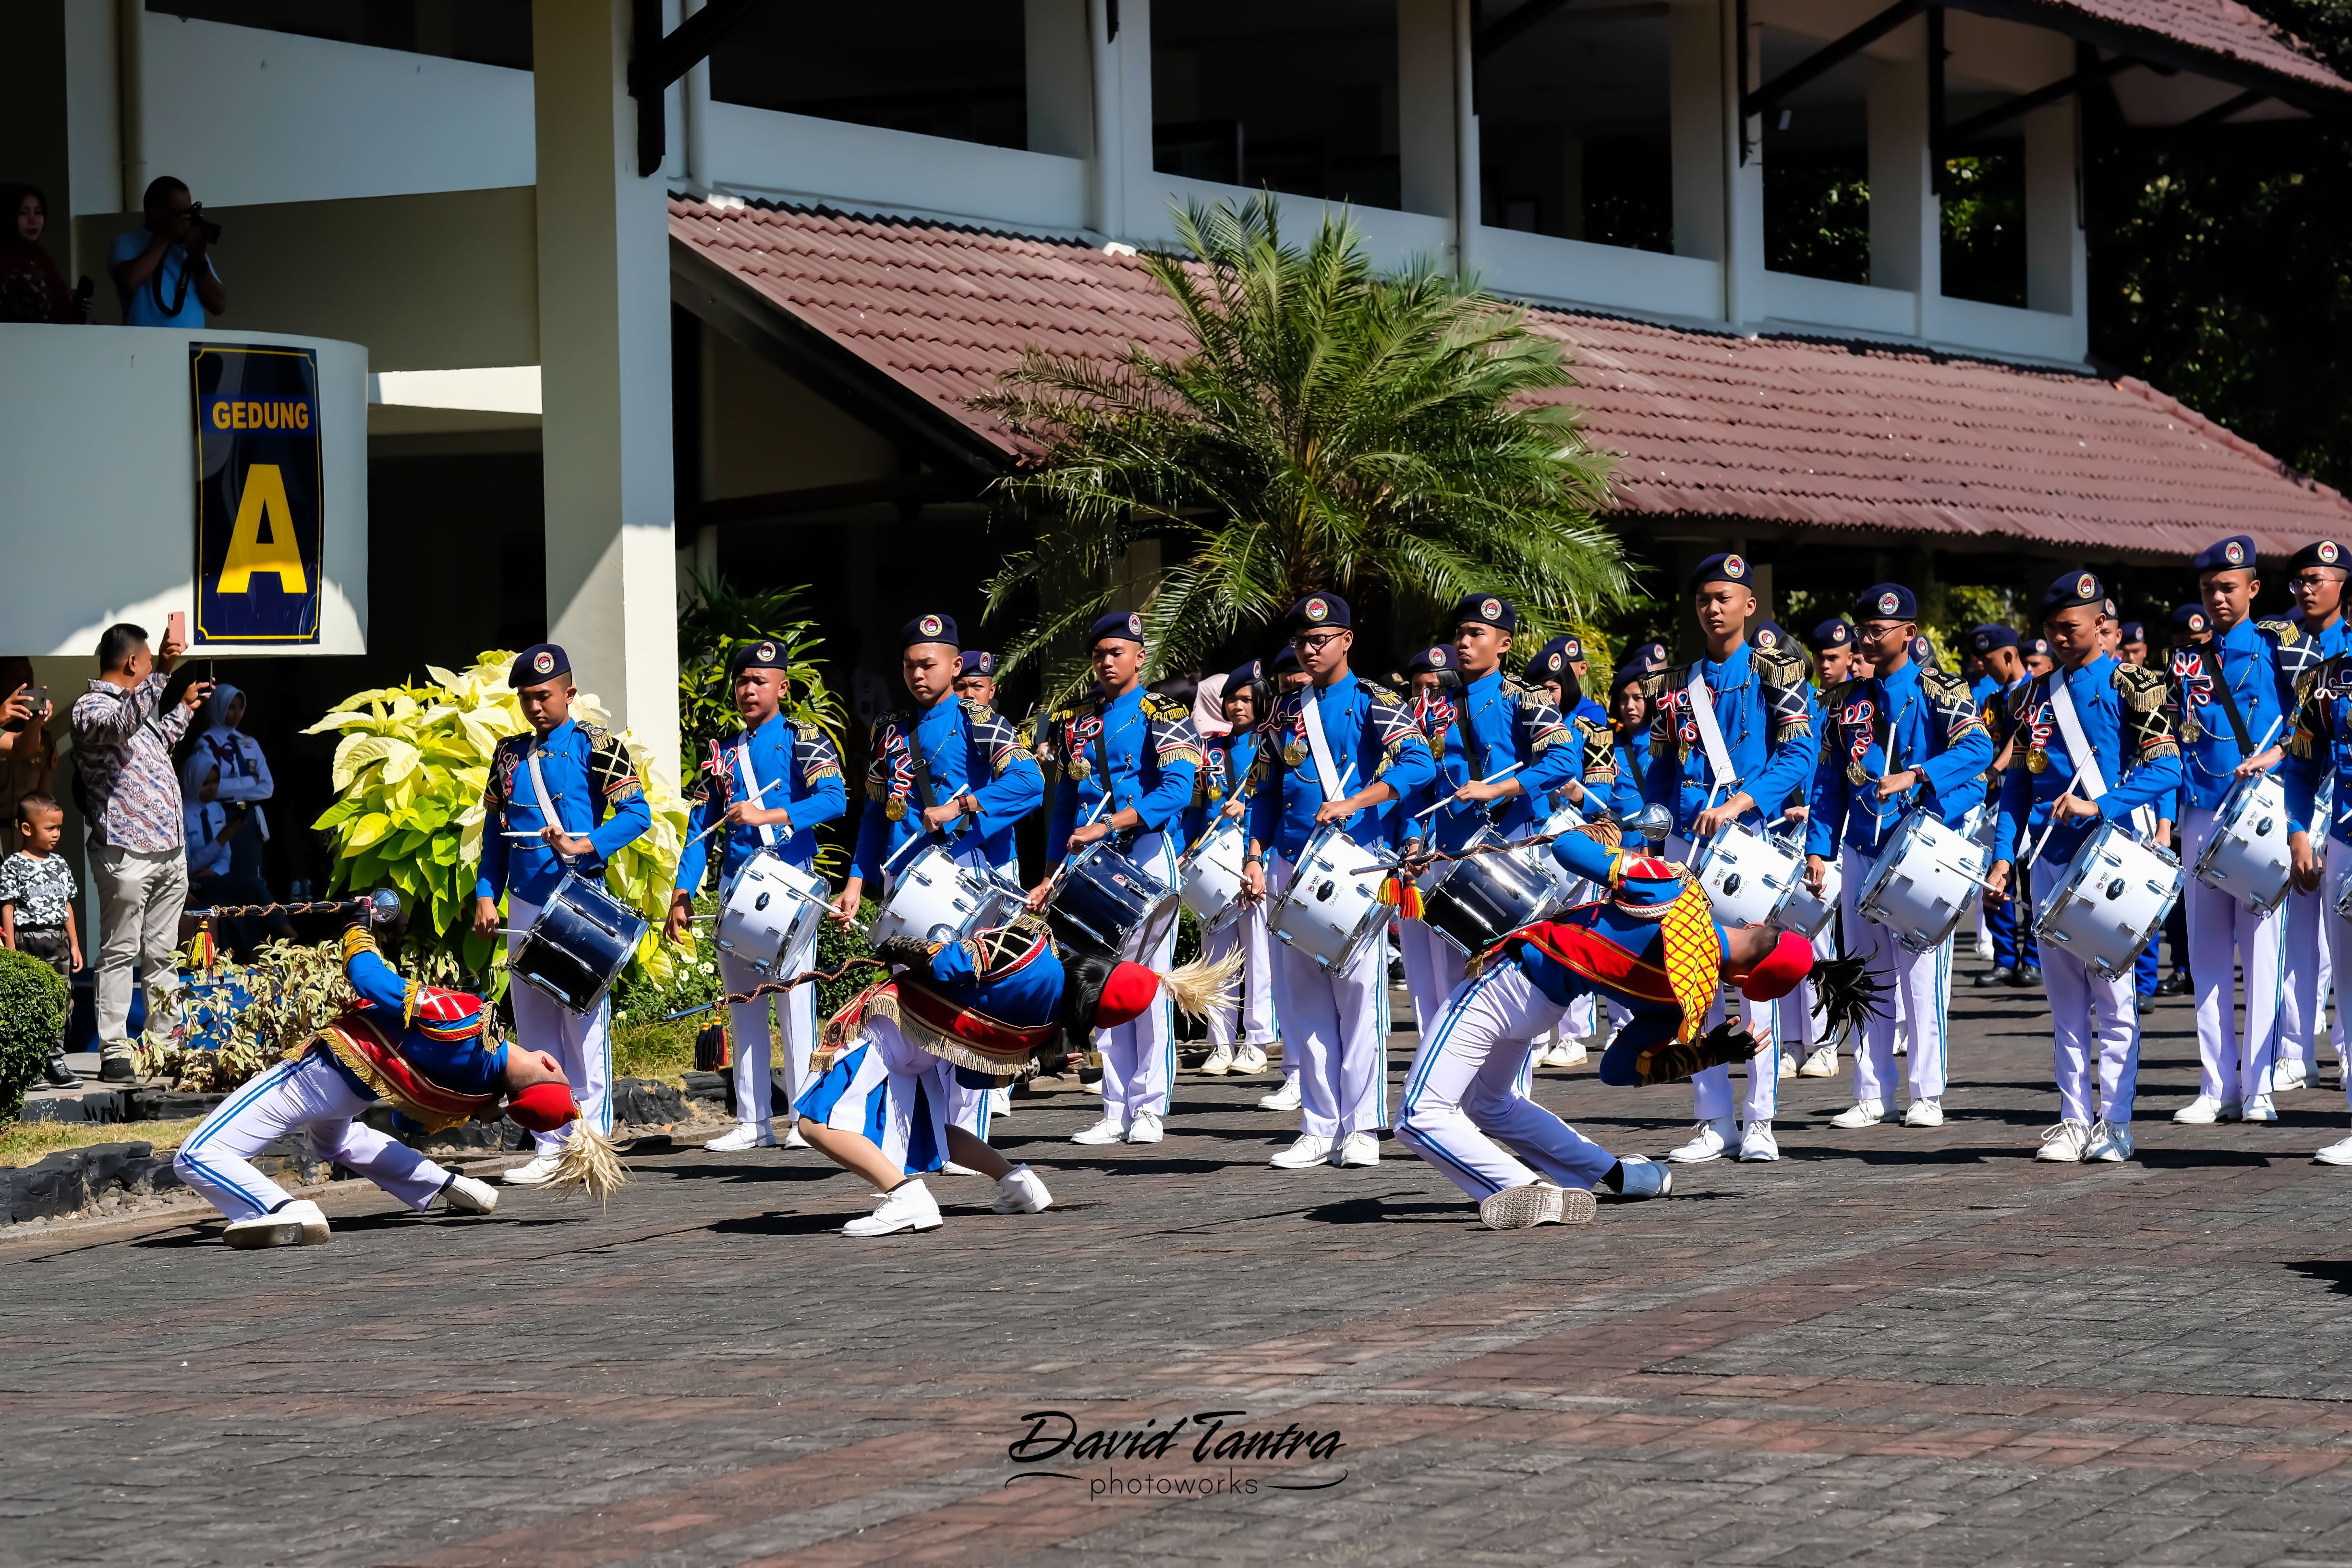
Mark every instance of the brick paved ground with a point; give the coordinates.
(1892, 1346)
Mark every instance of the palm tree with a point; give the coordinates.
(1335, 429)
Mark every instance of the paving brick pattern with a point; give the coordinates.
(1894, 1346)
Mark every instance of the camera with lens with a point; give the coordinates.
(199, 223)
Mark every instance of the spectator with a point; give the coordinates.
(207, 824)
(155, 267)
(245, 783)
(37, 896)
(31, 287)
(129, 795)
(29, 752)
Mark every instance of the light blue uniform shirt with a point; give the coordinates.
(2139, 768)
(810, 789)
(963, 746)
(1892, 724)
(1507, 727)
(2248, 656)
(1766, 736)
(1371, 737)
(587, 772)
(1153, 753)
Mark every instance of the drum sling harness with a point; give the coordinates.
(547, 807)
(2084, 755)
(752, 786)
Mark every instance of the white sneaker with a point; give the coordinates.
(950, 1168)
(2063, 1144)
(1144, 1129)
(2338, 1153)
(1822, 1063)
(1250, 1059)
(1787, 1065)
(1758, 1143)
(1901, 1047)
(1538, 1203)
(906, 1206)
(298, 1224)
(538, 1173)
(1984, 949)
(2202, 1112)
(1109, 1129)
(1357, 1150)
(2109, 1142)
(1861, 1113)
(1643, 1178)
(794, 1140)
(1019, 1191)
(744, 1135)
(1306, 1154)
(1710, 1142)
(2288, 1077)
(1282, 1098)
(1924, 1113)
(2258, 1108)
(1567, 1054)
(1000, 1104)
(1220, 1062)
(465, 1195)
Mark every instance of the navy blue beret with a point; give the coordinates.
(929, 628)
(1485, 610)
(761, 655)
(2072, 588)
(1886, 602)
(2320, 552)
(1724, 567)
(1772, 635)
(1650, 655)
(1430, 660)
(2231, 553)
(1285, 661)
(1318, 610)
(1120, 625)
(1627, 675)
(1831, 633)
(2191, 619)
(977, 662)
(2132, 631)
(1248, 673)
(540, 661)
(1987, 637)
(1551, 661)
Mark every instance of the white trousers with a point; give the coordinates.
(2338, 931)
(2096, 1024)
(582, 1047)
(2307, 966)
(964, 1108)
(1711, 1090)
(1139, 1056)
(1433, 968)
(2223, 932)
(1250, 1020)
(893, 1092)
(1921, 984)
(1335, 1027)
(307, 1096)
(1800, 1026)
(759, 1072)
(1466, 1109)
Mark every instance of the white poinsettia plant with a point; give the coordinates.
(409, 776)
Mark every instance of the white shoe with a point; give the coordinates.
(1306, 1154)
(1250, 1059)
(1822, 1063)
(744, 1135)
(1901, 1050)
(1643, 1178)
(1144, 1129)
(1567, 1054)
(1000, 1104)
(1711, 1140)
(1924, 1113)
(906, 1206)
(1109, 1129)
(538, 1173)
(1220, 1062)
(2064, 1143)
(2286, 1080)
(794, 1140)
(2202, 1112)
(2109, 1142)
(1787, 1065)
(1538, 1203)
(2338, 1153)
(1984, 949)
(298, 1224)
(1861, 1113)
(1758, 1143)
(1019, 1191)
(2258, 1108)
(950, 1168)
(465, 1195)
(1282, 1098)
(1357, 1150)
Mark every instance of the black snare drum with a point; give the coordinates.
(1108, 904)
(578, 945)
(1477, 903)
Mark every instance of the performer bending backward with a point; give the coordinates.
(2315, 578)
(426, 1051)
(1340, 748)
(2321, 751)
(1907, 736)
(2254, 668)
(1127, 761)
(770, 790)
(1731, 729)
(2058, 784)
(1238, 1034)
(574, 785)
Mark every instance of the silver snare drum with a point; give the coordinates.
(1332, 908)
(2246, 855)
(1749, 875)
(771, 909)
(1922, 881)
(935, 900)
(1476, 902)
(2112, 901)
(1209, 875)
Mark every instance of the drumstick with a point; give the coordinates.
(722, 818)
(2051, 826)
(1449, 800)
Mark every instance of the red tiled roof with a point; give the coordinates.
(2218, 27)
(1808, 435)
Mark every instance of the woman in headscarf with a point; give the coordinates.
(31, 287)
(245, 783)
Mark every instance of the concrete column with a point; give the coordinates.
(1743, 185)
(1468, 205)
(1905, 238)
(1695, 77)
(604, 332)
(2057, 269)
(1426, 118)
(1121, 69)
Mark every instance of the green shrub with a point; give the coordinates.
(33, 1004)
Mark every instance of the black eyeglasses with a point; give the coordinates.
(1315, 642)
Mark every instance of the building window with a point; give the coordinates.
(1816, 152)
(1300, 96)
(1574, 124)
(1984, 224)
(487, 32)
(955, 68)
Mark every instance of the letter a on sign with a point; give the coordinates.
(263, 537)
(260, 493)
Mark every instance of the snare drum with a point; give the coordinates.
(1749, 875)
(2112, 901)
(578, 945)
(1922, 880)
(769, 910)
(2246, 856)
(1568, 889)
(937, 900)
(1108, 904)
(1476, 902)
(1809, 913)
(1209, 875)
(1332, 910)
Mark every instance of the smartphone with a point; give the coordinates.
(39, 696)
(176, 629)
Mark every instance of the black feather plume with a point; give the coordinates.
(1846, 993)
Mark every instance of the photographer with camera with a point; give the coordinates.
(164, 277)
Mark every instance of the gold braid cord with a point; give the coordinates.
(1694, 957)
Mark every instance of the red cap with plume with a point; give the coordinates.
(542, 1108)
(1781, 970)
(1130, 990)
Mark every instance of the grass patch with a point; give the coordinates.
(25, 1142)
(654, 1049)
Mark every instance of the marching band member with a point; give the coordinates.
(1287, 677)
(2321, 750)
(2119, 711)
(1832, 646)
(2315, 577)
(1345, 749)
(561, 781)
(2016, 960)
(2244, 680)
(1603, 771)
(1494, 725)
(427, 1051)
(2135, 642)
(771, 789)
(1127, 761)
(1905, 729)
(976, 682)
(1732, 731)
(1226, 761)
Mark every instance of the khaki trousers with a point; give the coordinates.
(139, 902)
